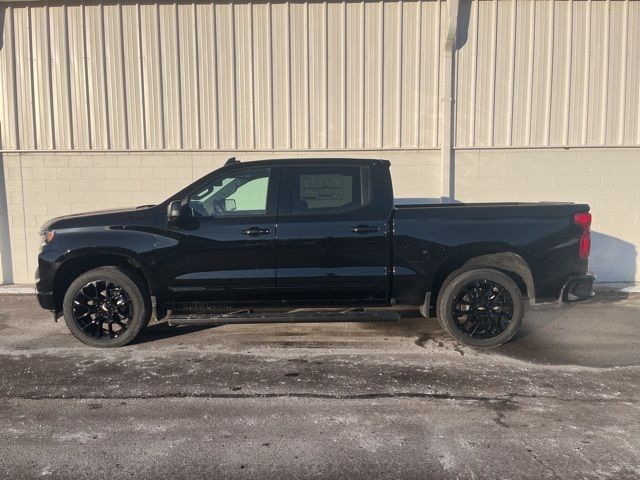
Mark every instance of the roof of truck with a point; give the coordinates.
(307, 161)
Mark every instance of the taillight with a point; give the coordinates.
(583, 219)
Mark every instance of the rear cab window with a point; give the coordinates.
(325, 189)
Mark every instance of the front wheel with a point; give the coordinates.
(482, 307)
(107, 307)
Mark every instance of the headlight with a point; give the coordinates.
(46, 237)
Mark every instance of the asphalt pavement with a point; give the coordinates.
(324, 400)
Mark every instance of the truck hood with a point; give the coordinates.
(106, 218)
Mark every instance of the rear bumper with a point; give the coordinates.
(577, 288)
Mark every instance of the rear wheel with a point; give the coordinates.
(482, 307)
(107, 307)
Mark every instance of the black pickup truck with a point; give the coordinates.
(310, 241)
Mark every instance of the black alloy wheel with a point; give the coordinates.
(480, 307)
(102, 309)
(107, 306)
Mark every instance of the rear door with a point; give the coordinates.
(332, 244)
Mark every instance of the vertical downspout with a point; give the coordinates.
(447, 129)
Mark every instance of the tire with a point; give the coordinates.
(107, 307)
(481, 307)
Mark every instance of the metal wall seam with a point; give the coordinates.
(512, 70)
(532, 36)
(116, 76)
(216, 76)
(381, 78)
(123, 79)
(288, 63)
(94, 42)
(567, 80)
(492, 78)
(105, 89)
(623, 74)
(344, 76)
(307, 76)
(418, 61)
(14, 82)
(325, 46)
(362, 70)
(270, 77)
(586, 74)
(71, 131)
(48, 62)
(605, 75)
(161, 88)
(474, 75)
(143, 111)
(196, 76)
(252, 82)
(549, 67)
(33, 101)
(40, 76)
(178, 78)
(88, 107)
(234, 105)
(10, 134)
(635, 58)
(401, 90)
(437, 75)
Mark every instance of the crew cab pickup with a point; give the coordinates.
(310, 240)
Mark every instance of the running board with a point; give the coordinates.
(283, 317)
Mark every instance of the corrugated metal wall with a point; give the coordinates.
(227, 75)
(549, 72)
(321, 75)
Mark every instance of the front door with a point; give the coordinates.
(332, 245)
(225, 251)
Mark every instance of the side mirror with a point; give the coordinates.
(174, 210)
(229, 205)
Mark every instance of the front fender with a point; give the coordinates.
(86, 248)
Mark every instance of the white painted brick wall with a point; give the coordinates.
(41, 186)
(607, 179)
(62, 183)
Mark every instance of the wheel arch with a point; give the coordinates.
(508, 262)
(73, 266)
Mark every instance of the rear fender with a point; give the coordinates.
(507, 261)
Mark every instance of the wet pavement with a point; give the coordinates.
(331, 400)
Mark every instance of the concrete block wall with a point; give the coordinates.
(608, 179)
(45, 185)
(41, 186)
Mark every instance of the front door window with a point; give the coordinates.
(238, 194)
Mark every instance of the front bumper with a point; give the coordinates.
(577, 288)
(47, 300)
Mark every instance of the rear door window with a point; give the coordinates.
(328, 189)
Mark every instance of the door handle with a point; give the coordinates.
(365, 229)
(256, 231)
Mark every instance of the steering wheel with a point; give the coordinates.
(207, 209)
(218, 207)
(198, 209)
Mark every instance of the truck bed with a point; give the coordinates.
(502, 209)
(427, 237)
